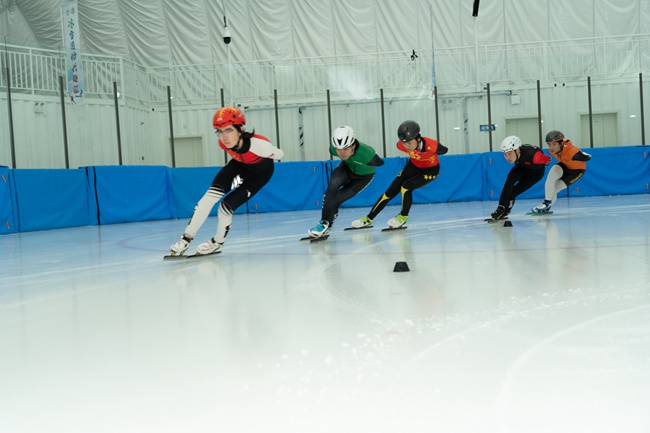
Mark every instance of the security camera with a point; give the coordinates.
(227, 37)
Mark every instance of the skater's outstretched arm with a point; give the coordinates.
(376, 161)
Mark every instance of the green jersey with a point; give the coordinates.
(357, 163)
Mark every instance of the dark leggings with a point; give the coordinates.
(253, 178)
(519, 179)
(342, 187)
(409, 179)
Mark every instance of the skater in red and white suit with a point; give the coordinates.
(250, 168)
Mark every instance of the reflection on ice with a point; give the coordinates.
(538, 327)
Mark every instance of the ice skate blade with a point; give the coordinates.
(391, 229)
(312, 239)
(358, 228)
(188, 257)
(491, 220)
(539, 213)
(175, 257)
(199, 256)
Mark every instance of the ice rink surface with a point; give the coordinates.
(539, 327)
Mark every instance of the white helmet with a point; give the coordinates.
(343, 137)
(510, 143)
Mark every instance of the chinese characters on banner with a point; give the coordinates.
(71, 39)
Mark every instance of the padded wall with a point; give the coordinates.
(56, 198)
(615, 171)
(132, 193)
(51, 199)
(611, 171)
(6, 202)
(460, 179)
(294, 186)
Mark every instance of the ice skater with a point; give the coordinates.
(421, 169)
(529, 165)
(349, 178)
(571, 166)
(250, 168)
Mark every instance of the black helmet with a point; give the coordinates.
(408, 130)
(554, 136)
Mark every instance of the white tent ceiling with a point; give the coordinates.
(158, 32)
(162, 32)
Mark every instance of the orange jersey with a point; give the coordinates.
(425, 155)
(566, 157)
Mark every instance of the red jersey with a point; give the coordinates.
(251, 153)
(425, 155)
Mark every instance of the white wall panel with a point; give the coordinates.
(143, 137)
(39, 139)
(187, 123)
(317, 133)
(92, 135)
(5, 134)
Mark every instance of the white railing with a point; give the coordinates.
(296, 79)
(460, 69)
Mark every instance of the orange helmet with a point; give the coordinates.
(228, 116)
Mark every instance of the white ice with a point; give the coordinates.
(539, 327)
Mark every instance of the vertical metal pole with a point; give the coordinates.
(329, 121)
(489, 115)
(63, 122)
(591, 125)
(476, 56)
(539, 115)
(435, 91)
(12, 139)
(383, 121)
(117, 122)
(301, 132)
(171, 124)
(642, 114)
(277, 119)
(463, 102)
(232, 97)
(223, 104)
